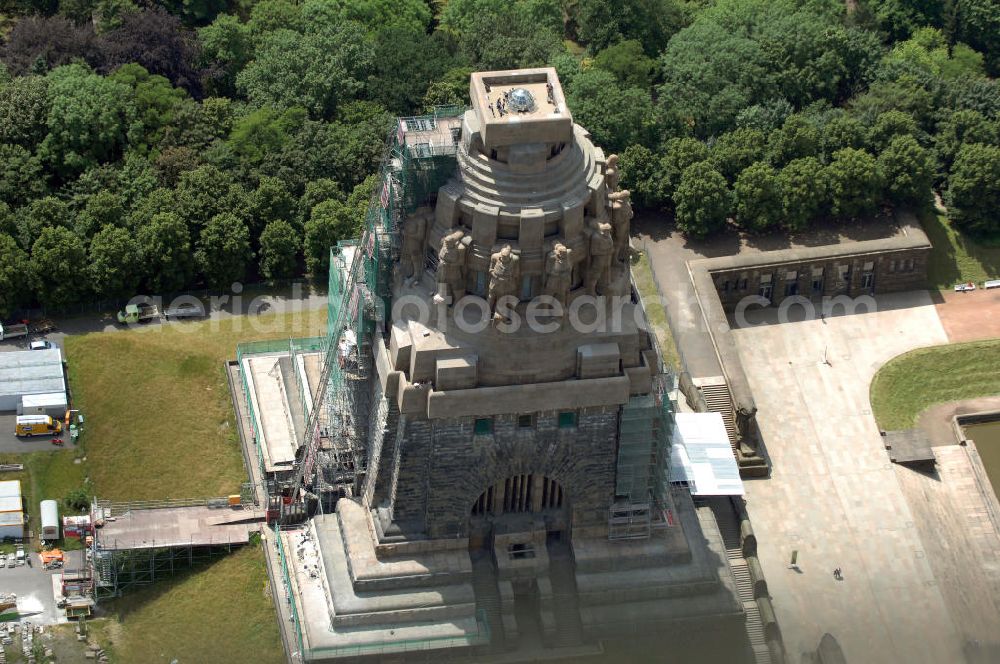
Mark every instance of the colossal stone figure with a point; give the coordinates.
(621, 218)
(602, 247)
(412, 258)
(503, 276)
(558, 273)
(451, 266)
(611, 174)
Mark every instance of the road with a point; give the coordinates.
(297, 297)
(33, 587)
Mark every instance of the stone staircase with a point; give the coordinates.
(565, 609)
(484, 583)
(729, 526)
(720, 400)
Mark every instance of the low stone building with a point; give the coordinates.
(868, 267)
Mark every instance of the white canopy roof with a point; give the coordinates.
(701, 456)
(10, 488)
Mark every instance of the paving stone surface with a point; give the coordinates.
(834, 496)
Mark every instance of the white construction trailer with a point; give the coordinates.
(53, 404)
(50, 520)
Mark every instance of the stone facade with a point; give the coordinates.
(581, 458)
(854, 269)
(492, 467)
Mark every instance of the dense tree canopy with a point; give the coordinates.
(190, 143)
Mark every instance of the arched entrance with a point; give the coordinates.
(519, 494)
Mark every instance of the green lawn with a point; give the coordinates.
(957, 258)
(908, 384)
(655, 313)
(218, 613)
(160, 424)
(159, 419)
(46, 475)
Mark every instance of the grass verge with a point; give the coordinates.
(218, 613)
(160, 424)
(957, 258)
(46, 476)
(655, 313)
(159, 419)
(911, 382)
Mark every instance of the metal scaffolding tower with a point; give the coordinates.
(419, 158)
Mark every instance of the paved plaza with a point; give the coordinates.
(970, 316)
(834, 496)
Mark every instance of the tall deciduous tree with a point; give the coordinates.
(21, 176)
(703, 200)
(907, 171)
(157, 41)
(24, 111)
(58, 267)
(678, 154)
(115, 262)
(279, 249)
(650, 22)
(89, 117)
(804, 192)
(758, 197)
(616, 116)
(165, 245)
(327, 66)
(223, 250)
(13, 275)
(855, 187)
(974, 190)
(37, 44)
(736, 150)
(329, 222)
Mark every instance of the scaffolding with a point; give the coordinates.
(642, 491)
(114, 566)
(419, 157)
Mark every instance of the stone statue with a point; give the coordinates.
(602, 248)
(412, 258)
(621, 219)
(611, 174)
(503, 276)
(558, 273)
(451, 266)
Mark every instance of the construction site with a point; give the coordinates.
(439, 482)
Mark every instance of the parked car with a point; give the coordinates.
(40, 344)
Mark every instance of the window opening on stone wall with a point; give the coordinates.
(725, 286)
(525, 421)
(792, 288)
(521, 551)
(743, 283)
(483, 426)
(567, 419)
